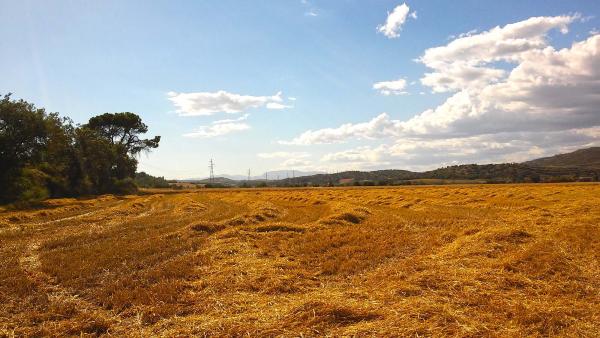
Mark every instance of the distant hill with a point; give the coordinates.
(583, 164)
(582, 158)
(217, 180)
(376, 177)
(476, 173)
(580, 165)
(271, 175)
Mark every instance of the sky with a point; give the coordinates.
(316, 85)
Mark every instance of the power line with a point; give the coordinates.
(211, 166)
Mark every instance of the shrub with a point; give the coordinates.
(31, 186)
(124, 186)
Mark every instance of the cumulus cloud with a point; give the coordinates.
(419, 154)
(220, 128)
(208, 103)
(546, 103)
(456, 76)
(548, 90)
(395, 87)
(378, 127)
(461, 63)
(395, 20)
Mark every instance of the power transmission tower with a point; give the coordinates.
(211, 166)
(248, 175)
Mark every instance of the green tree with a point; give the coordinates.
(118, 136)
(123, 130)
(43, 155)
(23, 138)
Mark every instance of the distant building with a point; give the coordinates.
(585, 179)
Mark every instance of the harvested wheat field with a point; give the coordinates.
(479, 260)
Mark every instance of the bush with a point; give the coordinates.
(144, 180)
(31, 186)
(124, 187)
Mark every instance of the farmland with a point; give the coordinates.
(509, 260)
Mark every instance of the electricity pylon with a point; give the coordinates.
(211, 166)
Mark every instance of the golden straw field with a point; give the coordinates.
(471, 260)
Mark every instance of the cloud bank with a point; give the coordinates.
(513, 96)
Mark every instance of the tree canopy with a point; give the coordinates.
(123, 130)
(43, 155)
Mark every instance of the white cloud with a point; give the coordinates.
(377, 127)
(241, 118)
(395, 20)
(208, 103)
(277, 106)
(547, 103)
(283, 154)
(217, 130)
(548, 90)
(462, 35)
(456, 76)
(395, 87)
(461, 63)
(419, 154)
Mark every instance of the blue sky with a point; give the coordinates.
(168, 60)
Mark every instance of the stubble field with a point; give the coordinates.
(478, 260)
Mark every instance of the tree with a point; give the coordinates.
(123, 130)
(23, 137)
(117, 136)
(43, 155)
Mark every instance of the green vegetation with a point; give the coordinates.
(144, 180)
(466, 173)
(585, 158)
(43, 155)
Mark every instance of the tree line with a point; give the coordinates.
(44, 155)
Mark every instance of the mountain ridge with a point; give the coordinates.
(585, 158)
(582, 164)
